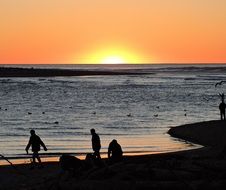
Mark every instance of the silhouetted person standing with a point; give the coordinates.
(35, 142)
(96, 143)
(222, 107)
(114, 151)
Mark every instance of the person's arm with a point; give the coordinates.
(109, 153)
(121, 152)
(109, 150)
(43, 145)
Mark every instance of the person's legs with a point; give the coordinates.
(97, 154)
(39, 159)
(33, 158)
(33, 163)
(36, 155)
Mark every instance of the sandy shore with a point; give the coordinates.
(203, 168)
(210, 133)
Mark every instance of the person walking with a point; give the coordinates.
(95, 143)
(35, 142)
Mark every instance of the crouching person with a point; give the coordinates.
(114, 152)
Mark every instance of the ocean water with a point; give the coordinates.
(137, 110)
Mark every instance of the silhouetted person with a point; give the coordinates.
(35, 142)
(114, 151)
(96, 143)
(222, 107)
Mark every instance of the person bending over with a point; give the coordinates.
(114, 151)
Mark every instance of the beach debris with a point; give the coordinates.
(11, 164)
(56, 122)
(70, 163)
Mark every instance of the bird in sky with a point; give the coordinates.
(219, 83)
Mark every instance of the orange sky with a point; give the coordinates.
(153, 31)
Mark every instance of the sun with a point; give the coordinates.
(113, 60)
(116, 55)
(111, 54)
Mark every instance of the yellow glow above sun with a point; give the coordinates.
(112, 55)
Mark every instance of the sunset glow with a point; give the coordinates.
(112, 54)
(113, 60)
(163, 31)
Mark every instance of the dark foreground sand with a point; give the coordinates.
(203, 168)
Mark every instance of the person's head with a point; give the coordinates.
(114, 141)
(32, 132)
(92, 131)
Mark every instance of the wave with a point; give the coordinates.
(212, 77)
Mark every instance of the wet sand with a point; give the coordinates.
(203, 168)
(210, 133)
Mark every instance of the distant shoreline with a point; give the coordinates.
(47, 72)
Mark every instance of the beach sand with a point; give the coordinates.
(203, 168)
